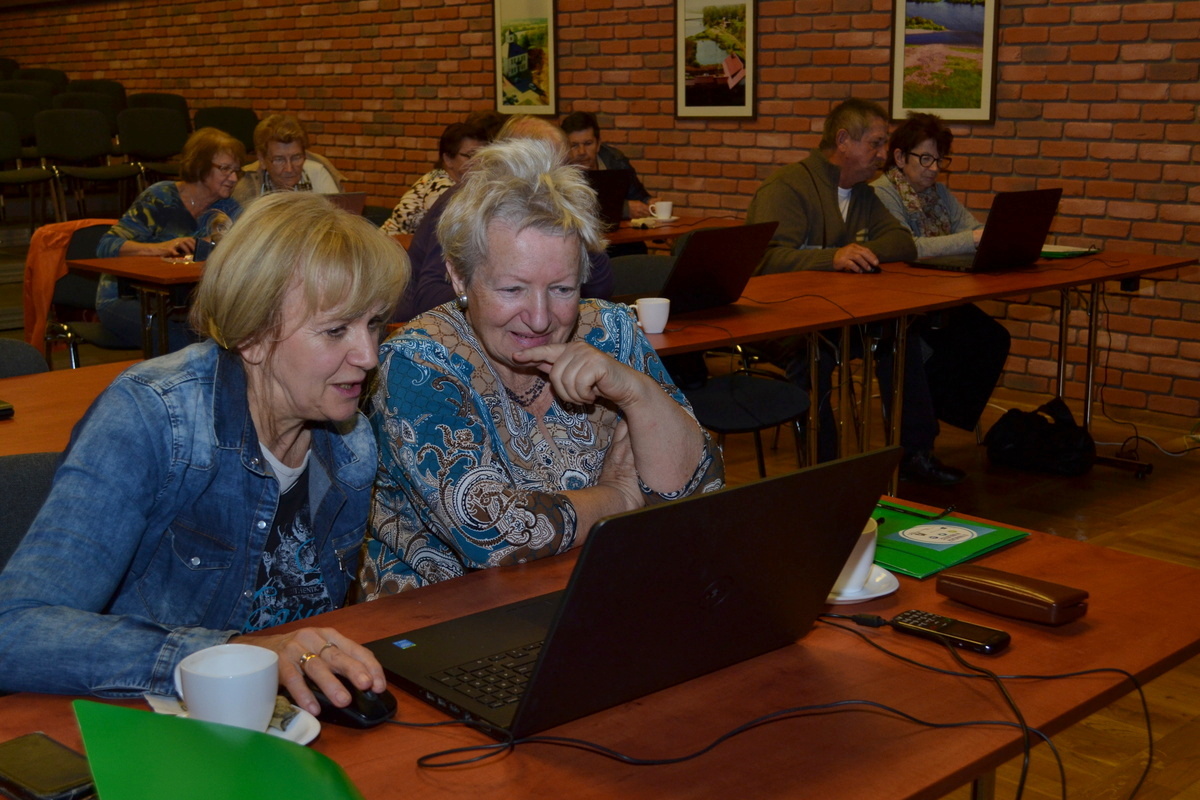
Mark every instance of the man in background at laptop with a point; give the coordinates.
(583, 134)
(830, 219)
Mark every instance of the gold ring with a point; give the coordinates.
(304, 659)
(325, 647)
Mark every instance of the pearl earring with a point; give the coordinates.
(461, 302)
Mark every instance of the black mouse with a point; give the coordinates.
(873, 269)
(366, 710)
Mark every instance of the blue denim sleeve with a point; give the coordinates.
(58, 631)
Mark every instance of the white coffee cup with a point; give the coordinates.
(854, 575)
(652, 313)
(234, 684)
(661, 209)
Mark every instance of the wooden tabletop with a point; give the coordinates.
(860, 753)
(47, 405)
(626, 233)
(142, 269)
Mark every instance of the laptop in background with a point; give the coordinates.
(714, 266)
(354, 202)
(612, 188)
(659, 596)
(1016, 229)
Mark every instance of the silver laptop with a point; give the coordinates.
(659, 596)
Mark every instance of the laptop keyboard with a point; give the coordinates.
(495, 681)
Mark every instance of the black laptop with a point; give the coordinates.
(714, 265)
(659, 596)
(1013, 237)
(612, 189)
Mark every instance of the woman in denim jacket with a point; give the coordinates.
(221, 489)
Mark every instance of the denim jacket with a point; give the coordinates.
(148, 547)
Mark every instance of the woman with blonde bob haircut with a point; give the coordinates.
(222, 489)
(510, 420)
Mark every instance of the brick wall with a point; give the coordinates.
(1098, 98)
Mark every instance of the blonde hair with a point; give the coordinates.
(340, 260)
(523, 183)
(196, 160)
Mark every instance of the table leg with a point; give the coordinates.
(147, 321)
(1064, 313)
(845, 419)
(897, 407)
(814, 397)
(156, 304)
(984, 787)
(1090, 380)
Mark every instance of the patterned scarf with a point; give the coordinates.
(925, 208)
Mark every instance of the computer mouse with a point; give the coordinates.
(872, 269)
(366, 710)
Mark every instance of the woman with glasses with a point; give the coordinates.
(963, 349)
(918, 153)
(166, 220)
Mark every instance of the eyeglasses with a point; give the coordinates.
(928, 161)
(226, 170)
(285, 161)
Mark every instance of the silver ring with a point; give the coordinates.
(325, 647)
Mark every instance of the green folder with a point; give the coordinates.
(139, 755)
(918, 546)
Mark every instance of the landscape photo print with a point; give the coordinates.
(714, 58)
(944, 59)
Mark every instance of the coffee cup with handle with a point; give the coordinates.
(661, 209)
(234, 684)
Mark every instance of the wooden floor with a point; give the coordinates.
(1157, 517)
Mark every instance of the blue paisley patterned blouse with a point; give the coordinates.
(467, 478)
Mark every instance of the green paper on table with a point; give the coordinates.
(140, 754)
(918, 546)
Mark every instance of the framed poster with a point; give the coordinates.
(526, 81)
(715, 58)
(944, 59)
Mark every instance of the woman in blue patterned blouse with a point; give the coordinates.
(510, 420)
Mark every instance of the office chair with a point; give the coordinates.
(26, 478)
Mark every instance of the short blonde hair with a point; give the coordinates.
(201, 148)
(340, 260)
(523, 183)
(282, 128)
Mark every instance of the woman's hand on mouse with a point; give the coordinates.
(321, 654)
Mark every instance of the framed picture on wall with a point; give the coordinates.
(944, 59)
(715, 58)
(526, 77)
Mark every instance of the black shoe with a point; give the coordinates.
(922, 466)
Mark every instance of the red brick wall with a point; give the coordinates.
(1098, 98)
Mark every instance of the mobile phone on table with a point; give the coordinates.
(966, 635)
(36, 767)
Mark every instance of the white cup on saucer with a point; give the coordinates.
(854, 575)
(234, 684)
(661, 209)
(652, 314)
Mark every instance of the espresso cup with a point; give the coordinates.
(652, 313)
(854, 575)
(234, 684)
(661, 209)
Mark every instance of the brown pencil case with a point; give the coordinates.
(1012, 595)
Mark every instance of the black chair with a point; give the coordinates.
(106, 104)
(42, 90)
(750, 401)
(74, 299)
(24, 107)
(151, 137)
(114, 89)
(19, 358)
(76, 145)
(26, 479)
(35, 182)
(8, 68)
(161, 100)
(237, 122)
(55, 77)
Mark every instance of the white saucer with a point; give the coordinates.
(303, 728)
(880, 584)
(662, 220)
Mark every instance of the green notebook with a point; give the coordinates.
(137, 755)
(917, 546)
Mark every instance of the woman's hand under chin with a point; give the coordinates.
(581, 374)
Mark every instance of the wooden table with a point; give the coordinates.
(47, 405)
(861, 754)
(626, 233)
(152, 279)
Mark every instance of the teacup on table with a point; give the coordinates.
(234, 684)
(661, 209)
